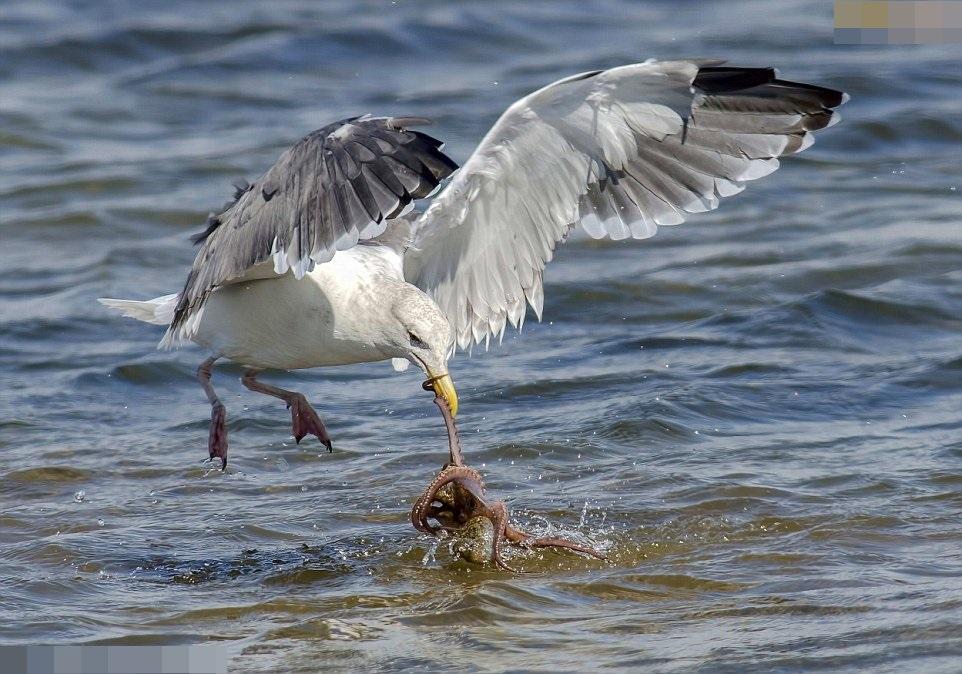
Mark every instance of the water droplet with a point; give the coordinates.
(100, 521)
(80, 496)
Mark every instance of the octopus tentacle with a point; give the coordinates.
(552, 542)
(528, 540)
(499, 512)
(468, 478)
(465, 501)
(454, 438)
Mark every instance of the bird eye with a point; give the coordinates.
(416, 341)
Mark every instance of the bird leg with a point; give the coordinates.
(304, 420)
(456, 497)
(217, 439)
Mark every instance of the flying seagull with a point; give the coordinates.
(321, 261)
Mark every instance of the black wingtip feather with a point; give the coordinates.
(725, 79)
(720, 80)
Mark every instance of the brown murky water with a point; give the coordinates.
(756, 415)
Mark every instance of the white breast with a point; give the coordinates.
(332, 316)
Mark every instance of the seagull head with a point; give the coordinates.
(423, 336)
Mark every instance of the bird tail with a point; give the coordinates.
(159, 311)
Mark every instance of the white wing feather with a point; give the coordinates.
(619, 151)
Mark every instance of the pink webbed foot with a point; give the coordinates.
(217, 440)
(304, 422)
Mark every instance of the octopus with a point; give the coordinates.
(456, 501)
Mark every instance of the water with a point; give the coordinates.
(756, 413)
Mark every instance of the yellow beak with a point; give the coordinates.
(444, 387)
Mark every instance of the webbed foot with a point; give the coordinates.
(217, 440)
(304, 421)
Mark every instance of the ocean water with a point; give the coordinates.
(756, 414)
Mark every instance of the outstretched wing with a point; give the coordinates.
(335, 186)
(619, 151)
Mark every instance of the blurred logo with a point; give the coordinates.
(898, 21)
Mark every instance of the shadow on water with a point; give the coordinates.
(306, 565)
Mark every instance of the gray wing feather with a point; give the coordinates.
(337, 185)
(619, 152)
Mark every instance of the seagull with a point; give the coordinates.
(323, 260)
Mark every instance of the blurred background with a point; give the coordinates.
(756, 413)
